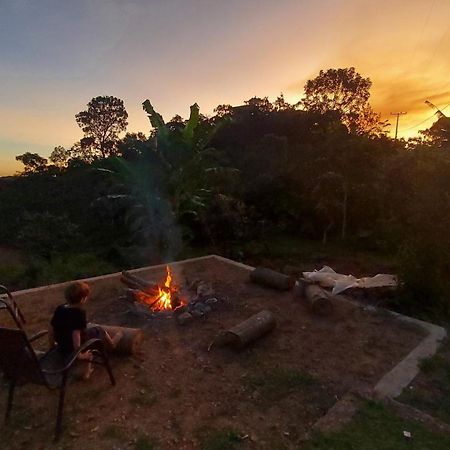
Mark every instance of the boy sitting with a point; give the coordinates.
(69, 326)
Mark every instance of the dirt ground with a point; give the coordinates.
(176, 392)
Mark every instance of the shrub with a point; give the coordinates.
(67, 267)
(424, 282)
(13, 276)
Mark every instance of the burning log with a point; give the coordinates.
(270, 278)
(135, 282)
(131, 341)
(132, 295)
(152, 296)
(248, 331)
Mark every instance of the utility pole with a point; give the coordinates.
(398, 114)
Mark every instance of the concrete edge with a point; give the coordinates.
(390, 385)
(233, 263)
(394, 381)
(108, 276)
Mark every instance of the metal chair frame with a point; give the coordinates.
(11, 306)
(35, 373)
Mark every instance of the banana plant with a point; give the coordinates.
(177, 178)
(192, 165)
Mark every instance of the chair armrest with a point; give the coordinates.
(91, 344)
(38, 335)
(12, 306)
(5, 290)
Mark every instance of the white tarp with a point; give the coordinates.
(328, 278)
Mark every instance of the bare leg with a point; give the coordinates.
(89, 368)
(113, 341)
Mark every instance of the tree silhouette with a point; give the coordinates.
(222, 111)
(438, 135)
(260, 104)
(60, 156)
(101, 123)
(280, 104)
(347, 92)
(33, 162)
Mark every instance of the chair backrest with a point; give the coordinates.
(7, 302)
(18, 360)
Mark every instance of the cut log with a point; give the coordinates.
(131, 284)
(318, 299)
(251, 329)
(270, 278)
(129, 344)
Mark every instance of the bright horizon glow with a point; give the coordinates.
(56, 56)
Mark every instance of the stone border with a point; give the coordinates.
(108, 276)
(390, 385)
(393, 382)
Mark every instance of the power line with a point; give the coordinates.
(425, 120)
(427, 18)
(441, 40)
(420, 123)
(398, 114)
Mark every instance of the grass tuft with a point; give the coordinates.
(376, 428)
(226, 439)
(115, 433)
(277, 383)
(145, 443)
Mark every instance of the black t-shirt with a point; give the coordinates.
(67, 319)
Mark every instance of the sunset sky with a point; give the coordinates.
(56, 55)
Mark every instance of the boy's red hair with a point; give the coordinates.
(75, 292)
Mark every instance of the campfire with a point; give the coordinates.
(188, 301)
(156, 297)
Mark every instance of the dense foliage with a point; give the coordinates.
(316, 171)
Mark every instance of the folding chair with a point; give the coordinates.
(21, 365)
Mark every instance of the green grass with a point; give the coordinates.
(437, 365)
(115, 433)
(433, 396)
(145, 443)
(277, 383)
(225, 439)
(12, 275)
(377, 428)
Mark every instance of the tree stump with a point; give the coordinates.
(251, 329)
(129, 344)
(318, 299)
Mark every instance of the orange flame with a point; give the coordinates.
(166, 298)
(165, 295)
